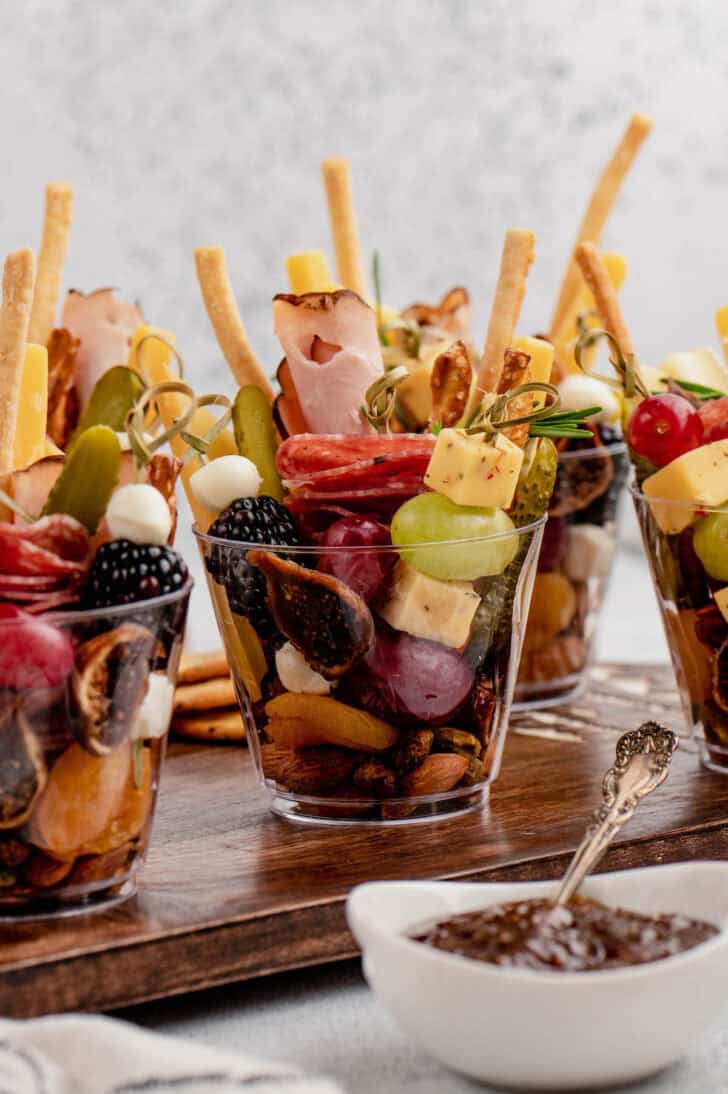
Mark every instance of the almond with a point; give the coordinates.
(436, 774)
(313, 770)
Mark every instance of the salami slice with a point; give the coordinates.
(306, 453)
(365, 474)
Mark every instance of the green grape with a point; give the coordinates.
(710, 540)
(432, 518)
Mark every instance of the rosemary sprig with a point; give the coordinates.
(565, 423)
(700, 390)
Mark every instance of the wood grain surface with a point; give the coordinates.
(229, 891)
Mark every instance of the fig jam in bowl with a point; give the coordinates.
(375, 681)
(551, 1029)
(85, 705)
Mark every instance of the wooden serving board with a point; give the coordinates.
(231, 892)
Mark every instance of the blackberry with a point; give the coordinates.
(260, 520)
(124, 573)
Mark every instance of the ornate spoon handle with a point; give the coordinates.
(642, 763)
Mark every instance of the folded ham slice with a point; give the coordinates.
(332, 348)
(105, 326)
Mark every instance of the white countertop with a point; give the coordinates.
(326, 1020)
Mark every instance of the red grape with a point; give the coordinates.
(553, 546)
(410, 681)
(714, 418)
(366, 572)
(33, 654)
(664, 427)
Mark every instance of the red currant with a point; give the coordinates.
(664, 427)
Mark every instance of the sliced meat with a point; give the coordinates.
(105, 325)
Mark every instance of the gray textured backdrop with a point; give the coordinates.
(204, 122)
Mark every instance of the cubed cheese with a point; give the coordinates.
(697, 366)
(721, 599)
(309, 272)
(699, 476)
(427, 608)
(30, 432)
(475, 470)
(414, 395)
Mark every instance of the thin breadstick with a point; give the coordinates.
(600, 204)
(340, 197)
(595, 273)
(516, 258)
(18, 282)
(53, 248)
(223, 313)
(215, 725)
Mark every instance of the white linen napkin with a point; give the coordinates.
(79, 1054)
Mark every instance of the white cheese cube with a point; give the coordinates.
(589, 552)
(721, 599)
(473, 470)
(427, 608)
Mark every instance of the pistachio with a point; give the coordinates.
(457, 740)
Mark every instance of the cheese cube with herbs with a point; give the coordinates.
(427, 608)
(699, 476)
(30, 434)
(721, 599)
(475, 469)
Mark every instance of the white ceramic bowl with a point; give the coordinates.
(547, 1030)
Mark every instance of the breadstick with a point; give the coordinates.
(53, 248)
(600, 204)
(216, 725)
(223, 313)
(597, 278)
(516, 258)
(18, 282)
(340, 197)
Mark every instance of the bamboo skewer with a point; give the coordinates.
(52, 256)
(342, 215)
(600, 205)
(17, 301)
(223, 313)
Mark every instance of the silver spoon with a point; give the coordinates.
(642, 763)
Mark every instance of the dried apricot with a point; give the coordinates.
(299, 720)
(553, 604)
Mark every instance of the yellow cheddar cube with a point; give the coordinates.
(30, 432)
(697, 366)
(721, 599)
(309, 272)
(699, 478)
(442, 611)
(414, 395)
(475, 470)
(721, 324)
(541, 353)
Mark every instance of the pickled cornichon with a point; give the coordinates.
(90, 473)
(255, 437)
(536, 481)
(111, 400)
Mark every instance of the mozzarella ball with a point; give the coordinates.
(138, 512)
(577, 392)
(220, 482)
(155, 713)
(295, 673)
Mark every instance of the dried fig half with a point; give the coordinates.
(324, 619)
(580, 482)
(720, 677)
(22, 769)
(108, 685)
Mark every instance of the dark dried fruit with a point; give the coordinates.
(413, 748)
(710, 626)
(13, 852)
(475, 772)
(324, 619)
(483, 704)
(22, 769)
(579, 482)
(375, 779)
(109, 684)
(43, 871)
